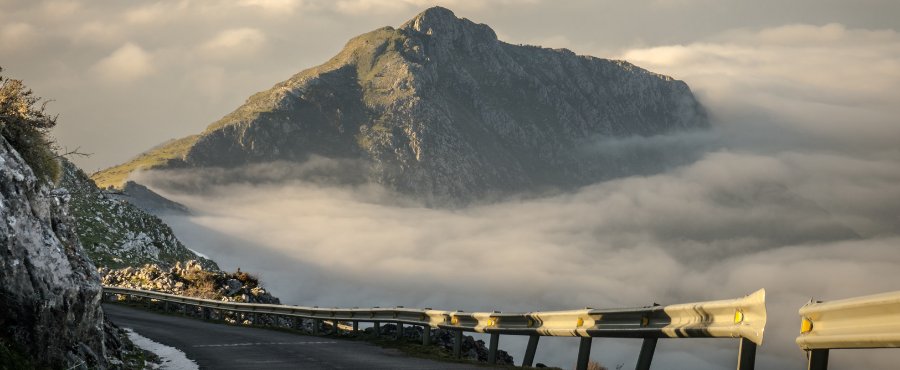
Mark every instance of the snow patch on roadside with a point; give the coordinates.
(172, 358)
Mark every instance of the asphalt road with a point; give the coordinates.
(219, 346)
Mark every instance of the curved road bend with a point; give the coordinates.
(217, 346)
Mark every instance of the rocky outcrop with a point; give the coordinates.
(49, 291)
(190, 279)
(439, 108)
(116, 233)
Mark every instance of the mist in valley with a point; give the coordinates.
(796, 190)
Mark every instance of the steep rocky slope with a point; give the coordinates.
(441, 109)
(116, 233)
(50, 313)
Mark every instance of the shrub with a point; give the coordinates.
(248, 280)
(26, 126)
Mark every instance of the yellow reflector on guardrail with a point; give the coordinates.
(738, 316)
(806, 325)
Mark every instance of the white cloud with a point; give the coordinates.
(833, 86)
(234, 43)
(358, 7)
(157, 13)
(277, 7)
(128, 63)
(60, 10)
(17, 37)
(97, 33)
(720, 228)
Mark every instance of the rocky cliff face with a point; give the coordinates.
(49, 292)
(441, 109)
(116, 233)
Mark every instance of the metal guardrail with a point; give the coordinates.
(863, 322)
(743, 318)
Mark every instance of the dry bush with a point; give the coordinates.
(202, 284)
(203, 288)
(249, 280)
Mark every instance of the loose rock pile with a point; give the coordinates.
(190, 279)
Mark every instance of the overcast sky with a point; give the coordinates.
(801, 195)
(127, 75)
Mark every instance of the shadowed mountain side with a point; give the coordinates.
(147, 200)
(442, 110)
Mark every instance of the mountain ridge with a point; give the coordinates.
(441, 109)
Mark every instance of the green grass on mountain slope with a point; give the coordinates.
(115, 233)
(116, 176)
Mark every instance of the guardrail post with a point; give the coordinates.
(528, 360)
(335, 329)
(747, 355)
(584, 353)
(376, 328)
(426, 335)
(457, 343)
(646, 356)
(315, 328)
(355, 327)
(818, 359)
(492, 349)
(399, 331)
(166, 306)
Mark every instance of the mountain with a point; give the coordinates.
(116, 233)
(439, 108)
(146, 199)
(50, 314)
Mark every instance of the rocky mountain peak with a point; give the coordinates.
(442, 110)
(443, 23)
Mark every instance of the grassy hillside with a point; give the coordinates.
(116, 233)
(160, 155)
